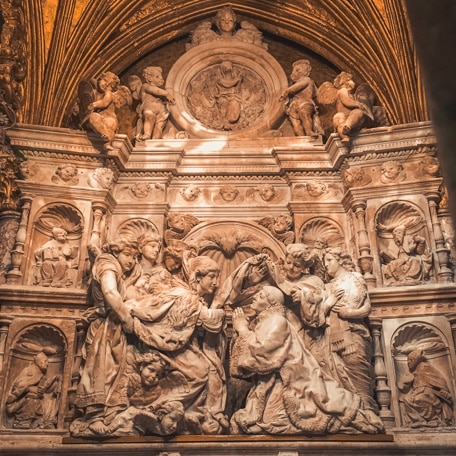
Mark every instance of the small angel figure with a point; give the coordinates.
(300, 96)
(280, 227)
(354, 110)
(152, 111)
(98, 102)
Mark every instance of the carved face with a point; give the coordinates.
(66, 173)
(260, 302)
(127, 259)
(331, 264)
(149, 374)
(225, 22)
(208, 283)
(228, 193)
(293, 268)
(267, 192)
(172, 264)
(150, 251)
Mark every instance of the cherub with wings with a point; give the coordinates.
(152, 110)
(98, 101)
(280, 227)
(354, 109)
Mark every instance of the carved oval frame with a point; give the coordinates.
(252, 57)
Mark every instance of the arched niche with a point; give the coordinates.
(65, 255)
(402, 262)
(230, 243)
(320, 231)
(428, 337)
(32, 395)
(133, 229)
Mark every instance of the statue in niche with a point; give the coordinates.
(98, 101)
(301, 96)
(152, 110)
(226, 96)
(289, 393)
(355, 110)
(179, 225)
(55, 260)
(101, 178)
(426, 400)
(32, 400)
(102, 389)
(226, 29)
(169, 322)
(392, 171)
(66, 174)
(409, 261)
(280, 227)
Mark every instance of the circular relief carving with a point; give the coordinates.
(226, 96)
(226, 88)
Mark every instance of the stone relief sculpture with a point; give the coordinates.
(190, 193)
(225, 29)
(101, 391)
(179, 226)
(66, 174)
(347, 306)
(31, 401)
(300, 100)
(280, 226)
(33, 390)
(356, 177)
(289, 393)
(226, 96)
(55, 259)
(410, 262)
(228, 194)
(426, 400)
(354, 109)
(101, 178)
(97, 103)
(152, 110)
(392, 171)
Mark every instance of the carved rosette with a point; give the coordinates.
(229, 89)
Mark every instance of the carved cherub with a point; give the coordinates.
(179, 225)
(98, 101)
(354, 109)
(300, 96)
(280, 227)
(152, 111)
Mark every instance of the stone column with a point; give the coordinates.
(382, 390)
(365, 257)
(5, 321)
(14, 276)
(9, 224)
(444, 272)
